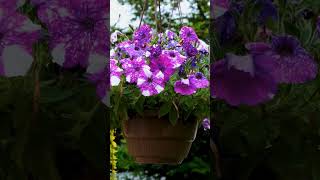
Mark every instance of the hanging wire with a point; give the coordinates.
(142, 13)
(156, 15)
(160, 20)
(169, 20)
(180, 12)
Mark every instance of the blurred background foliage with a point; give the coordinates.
(278, 140)
(197, 164)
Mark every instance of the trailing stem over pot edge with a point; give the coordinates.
(163, 69)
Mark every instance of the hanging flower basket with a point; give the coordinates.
(167, 74)
(153, 140)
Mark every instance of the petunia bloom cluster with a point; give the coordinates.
(253, 78)
(151, 61)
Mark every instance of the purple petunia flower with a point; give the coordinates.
(206, 124)
(115, 73)
(175, 57)
(133, 68)
(142, 35)
(132, 49)
(291, 62)
(203, 47)
(199, 80)
(243, 79)
(155, 51)
(188, 35)
(171, 35)
(164, 64)
(16, 31)
(79, 26)
(189, 49)
(101, 80)
(184, 87)
(114, 36)
(150, 83)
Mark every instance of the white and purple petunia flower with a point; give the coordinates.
(150, 83)
(114, 36)
(199, 80)
(188, 35)
(184, 87)
(17, 34)
(131, 49)
(203, 47)
(242, 80)
(115, 73)
(101, 80)
(164, 64)
(206, 124)
(133, 68)
(175, 57)
(79, 27)
(291, 63)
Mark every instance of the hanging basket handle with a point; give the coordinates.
(142, 13)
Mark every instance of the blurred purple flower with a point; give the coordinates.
(164, 64)
(175, 57)
(188, 35)
(242, 79)
(133, 68)
(184, 87)
(291, 62)
(142, 35)
(115, 73)
(101, 80)
(206, 124)
(150, 83)
(15, 29)
(199, 80)
(79, 26)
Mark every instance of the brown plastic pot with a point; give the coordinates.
(152, 140)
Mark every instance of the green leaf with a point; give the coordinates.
(54, 95)
(140, 104)
(165, 109)
(173, 116)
